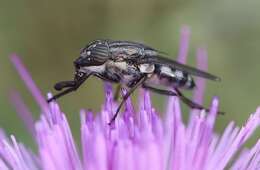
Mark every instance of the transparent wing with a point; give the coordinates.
(174, 64)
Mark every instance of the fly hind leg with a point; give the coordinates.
(159, 91)
(189, 102)
(184, 99)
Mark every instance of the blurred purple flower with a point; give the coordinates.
(139, 140)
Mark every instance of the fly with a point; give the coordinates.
(132, 65)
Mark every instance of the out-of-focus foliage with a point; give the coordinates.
(49, 34)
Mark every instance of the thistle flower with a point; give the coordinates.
(140, 139)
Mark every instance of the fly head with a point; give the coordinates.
(94, 54)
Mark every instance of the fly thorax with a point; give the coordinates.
(118, 65)
(121, 65)
(146, 68)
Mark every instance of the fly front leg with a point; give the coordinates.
(125, 97)
(71, 89)
(72, 86)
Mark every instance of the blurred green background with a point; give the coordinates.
(48, 35)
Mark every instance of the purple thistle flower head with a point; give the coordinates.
(140, 139)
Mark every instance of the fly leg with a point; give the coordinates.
(114, 78)
(117, 92)
(159, 91)
(184, 99)
(73, 86)
(63, 93)
(192, 104)
(125, 97)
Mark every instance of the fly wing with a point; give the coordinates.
(174, 64)
(150, 55)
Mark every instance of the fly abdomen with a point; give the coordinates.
(190, 84)
(176, 78)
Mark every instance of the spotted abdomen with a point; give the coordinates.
(173, 77)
